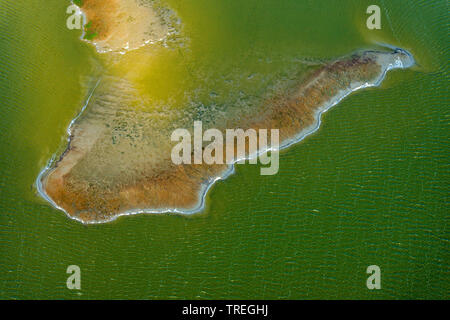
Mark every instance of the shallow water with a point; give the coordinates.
(370, 187)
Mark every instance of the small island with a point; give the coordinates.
(118, 159)
(120, 25)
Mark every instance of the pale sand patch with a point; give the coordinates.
(118, 161)
(123, 24)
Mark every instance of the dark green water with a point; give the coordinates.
(370, 187)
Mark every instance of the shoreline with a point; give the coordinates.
(204, 188)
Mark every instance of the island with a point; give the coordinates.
(118, 158)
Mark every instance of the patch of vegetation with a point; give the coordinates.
(89, 34)
(78, 2)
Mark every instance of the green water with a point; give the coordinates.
(370, 187)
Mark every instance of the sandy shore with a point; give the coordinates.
(103, 174)
(118, 25)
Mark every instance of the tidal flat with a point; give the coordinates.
(369, 187)
(118, 160)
